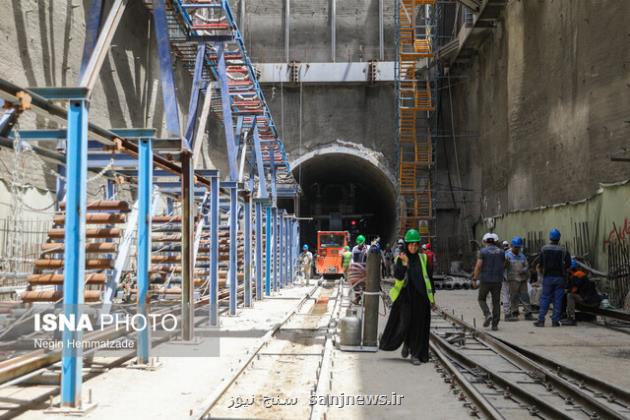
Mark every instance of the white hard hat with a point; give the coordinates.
(490, 236)
(506, 243)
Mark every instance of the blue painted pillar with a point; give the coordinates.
(268, 238)
(259, 263)
(281, 246)
(232, 271)
(145, 189)
(74, 256)
(247, 260)
(214, 251)
(274, 247)
(287, 252)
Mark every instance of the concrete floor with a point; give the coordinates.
(182, 384)
(595, 350)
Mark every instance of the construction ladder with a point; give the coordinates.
(414, 105)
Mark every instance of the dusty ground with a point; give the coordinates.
(595, 350)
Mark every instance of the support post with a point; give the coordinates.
(381, 31)
(232, 275)
(214, 251)
(145, 191)
(274, 229)
(268, 235)
(247, 237)
(371, 299)
(281, 246)
(188, 230)
(287, 29)
(74, 255)
(333, 30)
(259, 264)
(228, 123)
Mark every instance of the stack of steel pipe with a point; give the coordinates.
(103, 232)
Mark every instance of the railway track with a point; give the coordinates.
(501, 380)
(30, 371)
(292, 354)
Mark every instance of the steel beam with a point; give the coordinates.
(262, 182)
(145, 192)
(197, 85)
(201, 128)
(226, 103)
(188, 230)
(92, 26)
(169, 95)
(381, 31)
(274, 229)
(214, 251)
(74, 256)
(287, 30)
(93, 68)
(281, 246)
(333, 30)
(268, 235)
(346, 72)
(232, 277)
(247, 236)
(259, 263)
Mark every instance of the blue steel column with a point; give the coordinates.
(274, 248)
(145, 190)
(74, 256)
(247, 237)
(214, 251)
(233, 247)
(287, 252)
(259, 264)
(268, 235)
(281, 247)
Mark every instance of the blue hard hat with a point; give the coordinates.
(517, 242)
(574, 264)
(554, 235)
(305, 247)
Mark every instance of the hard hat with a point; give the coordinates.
(401, 242)
(360, 240)
(305, 247)
(424, 246)
(517, 242)
(554, 235)
(505, 243)
(347, 248)
(427, 246)
(412, 235)
(489, 237)
(574, 264)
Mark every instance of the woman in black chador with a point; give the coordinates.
(410, 317)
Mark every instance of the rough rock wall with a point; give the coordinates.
(547, 94)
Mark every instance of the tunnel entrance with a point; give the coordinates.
(345, 190)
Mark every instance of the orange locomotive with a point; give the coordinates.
(329, 252)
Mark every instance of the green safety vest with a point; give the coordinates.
(399, 284)
(347, 256)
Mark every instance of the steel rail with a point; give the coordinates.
(529, 365)
(203, 410)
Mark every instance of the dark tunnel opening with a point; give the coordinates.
(342, 191)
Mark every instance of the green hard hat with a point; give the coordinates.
(412, 235)
(347, 248)
(360, 240)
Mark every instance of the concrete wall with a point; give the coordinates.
(546, 96)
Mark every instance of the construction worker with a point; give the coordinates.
(580, 289)
(554, 261)
(357, 271)
(409, 320)
(517, 277)
(505, 289)
(346, 257)
(489, 272)
(306, 262)
(426, 249)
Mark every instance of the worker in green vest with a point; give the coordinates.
(346, 257)
(410, 316)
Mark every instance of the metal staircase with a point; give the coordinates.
(415, 103)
